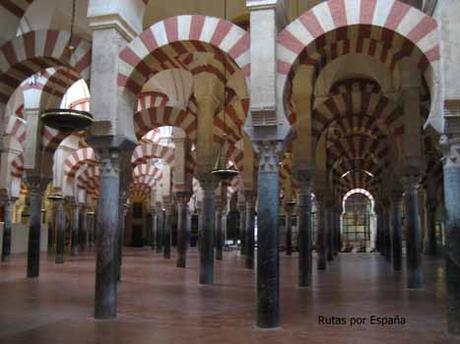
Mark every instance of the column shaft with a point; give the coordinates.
(106, 241)
(250, 223)
(288, 225)
(7, 228)
(413, 240)
(207, 231)
(305, 238)
(268, 236)
(182, 233)
(167, 232)
(396, 244)
(59, 223)
(321, 236)
(242, 210)
(219, 234)
(75, 223)
(33, 252)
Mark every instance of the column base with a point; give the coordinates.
(322, 263)
(415, 279)
(59, 259)
(181, 260)
(453, 303)
(6, 258)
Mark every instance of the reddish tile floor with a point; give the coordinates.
(159, 303)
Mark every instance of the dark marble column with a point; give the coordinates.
(153, 226)
(430, 247)
(123, 209)
(413, 235)
(83, 229)
(250, 224)
(330, 232)
(288, 227)
(322, 234)
(75, 227)
(208, 184)
(268, 192)
(219, 243)
(182, 231)
(159, 219)
(7, 227)
(387, 232)
(378, 240)
(109, 150)
(338, 240)
(305, 229)
(242, 211)
(451, 147)
(36, 187)
(167, 229)
(396, 243)
(59, 223)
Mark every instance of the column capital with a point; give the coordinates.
(208, 182)
(269, 153)
(450, 146)
(182, 197)
(304, 178)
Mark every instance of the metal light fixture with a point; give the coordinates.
(55, 197)
(67, 120)
(221, 170)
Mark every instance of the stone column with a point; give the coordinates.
(159, 220)
(208, 184)
(106, 241)
(182, 232)
(123, 209)
(83, 230)
(451, 170)
(59, 223)
(7, 227)
(305, 229)
(36, 187)
(413, 234)
(167, 230)
(288, 224)
(219, 235)
(153, 226)
(396, 242)
(322, 234)
(330, 232)
(268, 233)
(429, 245)
(387, 232)
(242, 211)
(75, 227)
(250, 224)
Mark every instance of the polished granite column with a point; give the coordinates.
(208, 184)
(75, 227)
(396, 241)
(36, 189)
(387, 231)
(7, 227)
(167, 230)
(123, 209)
(378, 240)
(59, 223)
(451, 170)
(182, 231)
(305, 229)
(159, 217)
(268, 192)
(250, 224)
(242, 211)
(330, 232)
(108, 223)
(322, 234)
(430, 246)
(288, 226)
(413, 234)
(219, 243)
(83, 230)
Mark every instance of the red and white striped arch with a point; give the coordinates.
(143, 170)
(151, 99)
(146, 120)
(17, 166)
(75, 160)
(134, 59)
(147, 151)
(328, 16)
(34, 51)
(16, 127)
(361, 107)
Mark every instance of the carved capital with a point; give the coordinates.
(208, 182)
(451, 151)
(269, 153)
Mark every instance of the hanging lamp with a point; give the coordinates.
(221, 168)
(67, 120)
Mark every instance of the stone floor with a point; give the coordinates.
(159, 303)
